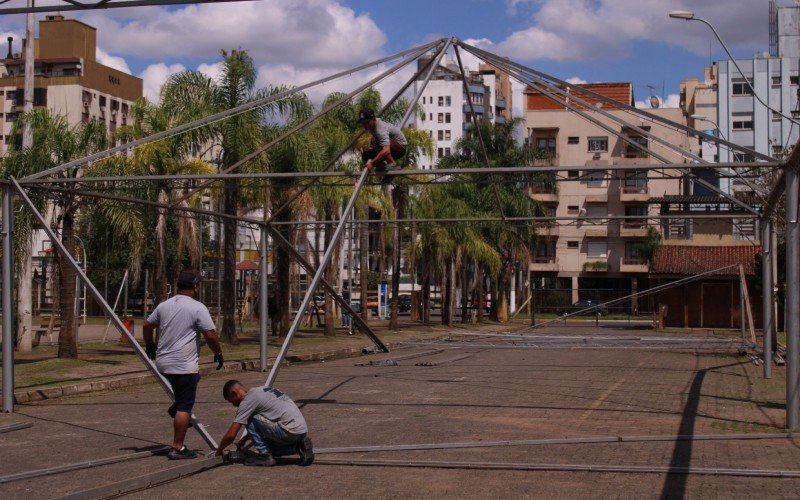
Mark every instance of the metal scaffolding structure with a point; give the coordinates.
(553, 88)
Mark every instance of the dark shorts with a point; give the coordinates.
(184, 386)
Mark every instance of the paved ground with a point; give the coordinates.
(496, 393)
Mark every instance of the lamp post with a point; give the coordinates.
(688, 15)
(709, 120)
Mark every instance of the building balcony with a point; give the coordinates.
(596, 232)
(477, 107)
(619, 160)
(546, 229)
(477, 89)
(548, 263)
(543, 195)
(634, 194)
(500, 103)
(629, 265)
(596, 266)
(500, 119)
(597, 198)
(633, 230)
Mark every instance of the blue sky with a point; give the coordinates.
(295, 41)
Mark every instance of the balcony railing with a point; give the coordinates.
(633, 261)
(641, 189)
(546, 259)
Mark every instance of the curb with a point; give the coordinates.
(118, 382)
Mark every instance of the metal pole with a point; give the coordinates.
(766, 292)
(8, 312)
(742, 321)
(264, 305)
(56, 241)
(792, 299)
(350, 288)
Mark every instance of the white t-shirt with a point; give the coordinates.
(180, 320)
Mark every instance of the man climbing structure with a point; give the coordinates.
(387, 146)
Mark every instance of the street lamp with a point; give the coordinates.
(689, 16)
(709, 120)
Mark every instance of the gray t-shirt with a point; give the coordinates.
(385, 132)
(273, 405)
(180, 320)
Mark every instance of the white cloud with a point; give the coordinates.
(305, 33)
(212, 71)
(576, 80)
(155, 76)
(597, 29)
(115, 62)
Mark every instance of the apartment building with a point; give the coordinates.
(68, 79)
(447, 112)
(597, 253)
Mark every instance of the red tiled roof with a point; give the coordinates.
(622, 92)
(674, 259)
(247, 265)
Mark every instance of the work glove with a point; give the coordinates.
(150, 349)
(219, 360)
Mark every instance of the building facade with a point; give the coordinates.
(68, 79)
(447, 112)
(595, 253)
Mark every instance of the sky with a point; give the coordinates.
(297, 41)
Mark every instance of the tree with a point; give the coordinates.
(190, 95)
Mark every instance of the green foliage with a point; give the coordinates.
(646, 250)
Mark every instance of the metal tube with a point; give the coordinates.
(624, 106)
(792, 300)
(8, 311)
(74, 5)
(766, 292)
(522, 169)
(70, 260)
(221, 115)
(15, 427)
(741, 306)
(264, 304)
(312, 287)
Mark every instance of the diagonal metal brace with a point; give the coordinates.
(108, 310)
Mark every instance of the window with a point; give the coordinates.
(743, 124)
(573, 140)
(441, 101)
(447, 117)
(793, 80)
(596, 213)
(597, 249)
(572, 244)
(447, 135)
(636, 211)
(632, 151)
(546, 144)
(573, 209)
(431, 116)
(635, 182)
(440, 152)
(440, 135)
(740, 87)
(447, 151)
(573, 174)
(632, 253)
(776, 81)
(743, 157)
(447, 100)
(598, 144)
(596, 179)
(440, 118)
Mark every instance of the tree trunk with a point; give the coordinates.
(480, 291)
(426, 287)
(363, 268)
(25, 303)
(331, 271)
(228, 331)
(67, 345)
(465, 292)
(503, 285)
(160, 254)
(495, 299)
(400, 202)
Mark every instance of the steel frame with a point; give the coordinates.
(73, 5)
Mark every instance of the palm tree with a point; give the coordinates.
(58, 143)
(171, 156)
(191, 94)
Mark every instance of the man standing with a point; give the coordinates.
(387, 146)
(175, 348)
(273, 422)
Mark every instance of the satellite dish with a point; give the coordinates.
(655, 103)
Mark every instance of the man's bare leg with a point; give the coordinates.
(180, 425)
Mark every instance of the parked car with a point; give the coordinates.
(405, 303)
(582, 305)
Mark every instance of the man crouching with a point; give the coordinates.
(273, 422)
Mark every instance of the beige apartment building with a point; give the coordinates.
(68, 79)
(592, 252)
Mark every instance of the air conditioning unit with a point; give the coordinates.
(103, 109)
(113, 112)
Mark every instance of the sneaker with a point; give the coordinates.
(182, 454)
(306, 451)
(259, 460)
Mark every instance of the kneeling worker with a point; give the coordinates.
(273, 422)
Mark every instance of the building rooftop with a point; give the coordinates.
(685, 259)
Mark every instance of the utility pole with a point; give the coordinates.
(25, 277)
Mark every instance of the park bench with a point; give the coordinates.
(49, 326)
